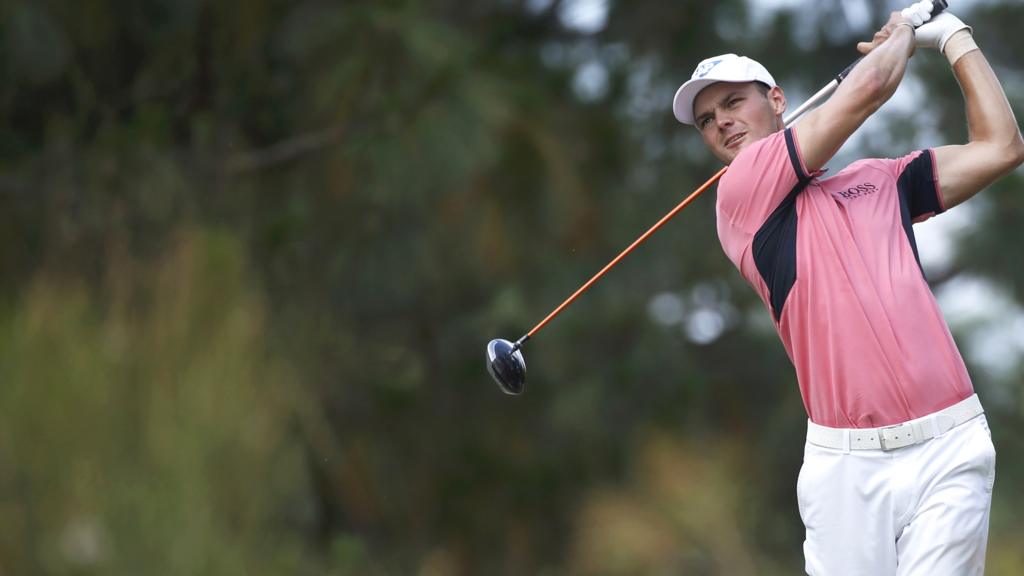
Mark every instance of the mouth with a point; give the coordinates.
(733, 140)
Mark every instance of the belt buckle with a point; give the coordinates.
(899, 441)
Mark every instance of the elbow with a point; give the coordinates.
(1009, 156)
(868, 87)
(874, 89)
(1016, 152)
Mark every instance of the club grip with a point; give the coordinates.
(937, 7)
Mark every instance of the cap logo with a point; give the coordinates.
(705, 67)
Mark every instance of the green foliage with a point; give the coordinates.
(145, 429)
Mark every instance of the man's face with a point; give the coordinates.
(731, 116)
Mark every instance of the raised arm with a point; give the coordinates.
(994, 145)
(870, 84)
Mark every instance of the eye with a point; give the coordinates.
(734, 102)
(703, 122)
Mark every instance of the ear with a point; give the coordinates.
(777, 98)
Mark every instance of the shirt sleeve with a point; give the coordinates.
(759, 179)
(918, 184)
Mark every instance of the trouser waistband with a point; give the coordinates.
(899, 435)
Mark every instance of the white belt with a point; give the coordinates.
(899, 435)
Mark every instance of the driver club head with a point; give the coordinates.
(506, 365)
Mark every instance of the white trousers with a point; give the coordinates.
(922, 510)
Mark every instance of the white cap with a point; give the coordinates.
(724, 68)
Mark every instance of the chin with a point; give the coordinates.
(730, 154)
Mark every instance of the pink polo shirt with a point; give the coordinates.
(835, 262)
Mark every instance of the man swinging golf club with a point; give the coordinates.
(899, 464)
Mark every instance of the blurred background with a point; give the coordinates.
(252, 251)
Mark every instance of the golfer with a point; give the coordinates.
(899, 464)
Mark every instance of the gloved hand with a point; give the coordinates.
(918, 13)
(937, 31)
(932, 32)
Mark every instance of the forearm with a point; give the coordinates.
(872, 81)
(880, 72)
(995, 147)
(989, 116)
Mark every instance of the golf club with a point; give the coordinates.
(505, 360)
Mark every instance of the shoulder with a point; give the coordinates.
(894, 167)
(770, 144)
(869, 165)
(759, 179)
(766, 153)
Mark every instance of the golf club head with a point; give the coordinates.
(506, 365)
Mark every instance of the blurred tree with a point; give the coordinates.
(251, 253)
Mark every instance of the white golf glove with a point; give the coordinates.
(918, 13)
(937, 31)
